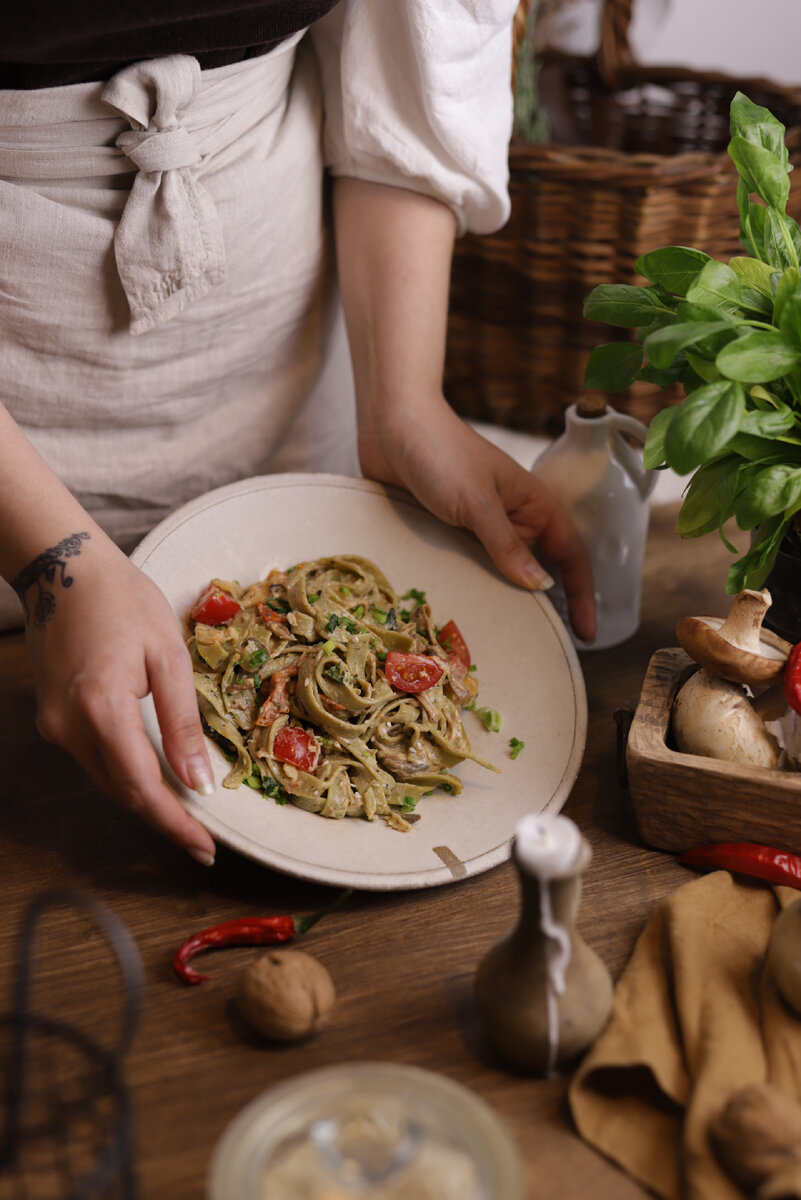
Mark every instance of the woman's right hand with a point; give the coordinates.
(109, 639)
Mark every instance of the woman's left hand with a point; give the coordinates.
(466, 481)
(394, 256)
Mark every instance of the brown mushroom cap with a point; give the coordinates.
(701, 639)
(736, 647)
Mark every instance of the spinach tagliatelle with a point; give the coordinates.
(327, 692)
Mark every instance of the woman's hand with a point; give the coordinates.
(466, 481)
(394, 254)
(110, 639)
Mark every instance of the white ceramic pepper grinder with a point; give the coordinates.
(543, 995)
(600, 480)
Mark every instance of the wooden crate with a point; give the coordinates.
(684, 800)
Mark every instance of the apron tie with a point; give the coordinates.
(168, 243)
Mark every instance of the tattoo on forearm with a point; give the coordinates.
(42, 571)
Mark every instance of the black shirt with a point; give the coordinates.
(77, 41)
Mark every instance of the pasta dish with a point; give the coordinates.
(328, 690)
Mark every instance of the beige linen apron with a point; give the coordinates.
(166, 291)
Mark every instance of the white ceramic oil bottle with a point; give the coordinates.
(600, 480)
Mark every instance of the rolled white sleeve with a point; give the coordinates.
(418, 95)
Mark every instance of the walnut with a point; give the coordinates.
(285, 994)
(756, 1134)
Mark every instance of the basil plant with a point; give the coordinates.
(730, 335)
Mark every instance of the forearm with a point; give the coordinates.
(394, 251)
(37, 510)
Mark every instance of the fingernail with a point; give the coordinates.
(202, 856)
(200, 775)
(536, 578)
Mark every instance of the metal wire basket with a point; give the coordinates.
(66, 1131)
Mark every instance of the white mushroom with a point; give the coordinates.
(713, 715)
(714, 718)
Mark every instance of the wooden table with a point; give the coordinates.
(403, 963)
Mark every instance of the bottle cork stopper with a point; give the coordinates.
(591, 404)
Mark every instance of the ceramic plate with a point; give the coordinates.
(526, 665)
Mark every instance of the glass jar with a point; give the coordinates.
(377, 1131)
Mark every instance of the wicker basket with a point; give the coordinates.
(638, 161)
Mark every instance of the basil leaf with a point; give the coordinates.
(654, 451)
(674, 267)
(623, 305)
(788, 285)
(709, 497)
(762, 171)
(662, 347)
(778, 246)
(755, 222)
(790, 320)
(759, 449)
(705, 369)
(771, 490)
(753, 568)
(671, 374)
(763, 398)
(753, 273)
(757, 357)
(758, 125)
(717, 288)
(768, 424)
(613, 367)
(705, 424)
(754, 304)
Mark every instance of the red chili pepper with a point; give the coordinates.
(792, 678)
(245, 931)
(747, 858)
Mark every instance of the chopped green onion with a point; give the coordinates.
(258, 658)
(329, 646)
(405, 615)
(278, 606)
(336, 672)
(414, 594)
(490, 717)
(348, 624)
(358, 610)
(378, 614)
(344, 591)
(272, 788)
(408, 804)
(515, 746)
(315, 596)
(333, 621)
(472, 667)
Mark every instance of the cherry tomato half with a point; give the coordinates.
(454, 645)
(412, 672)
(297, 747)
(214, 607)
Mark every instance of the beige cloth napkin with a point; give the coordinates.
(696, 1017)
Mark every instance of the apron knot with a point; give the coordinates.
(165, 150)
(168, 243)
